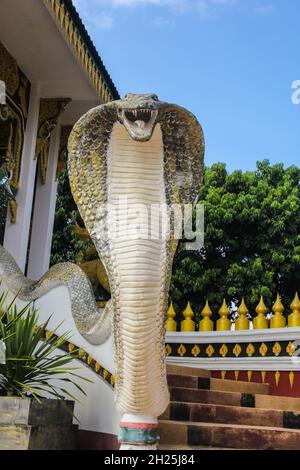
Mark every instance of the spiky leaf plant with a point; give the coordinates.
(33, 359)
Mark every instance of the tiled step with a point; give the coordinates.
(208, 413)
(186, 371)
(228, 436)
(248, 400)
(190, 395)
(277, 403)
(209, 383)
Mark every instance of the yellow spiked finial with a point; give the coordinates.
(242, 322)
(188, 324)
(171, 325)
(294, 317)
(278, 320)
(224, 324)
(260, 322)
(206, 323)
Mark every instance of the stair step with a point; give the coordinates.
(277, 403)
(186, 371)
(182, 447)
(228, 436)
(214, 397)
(209, 383)
(201, 412)
(248, 400)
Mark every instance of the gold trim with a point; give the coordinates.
(73, 37)
(50, 111)
(196, 350)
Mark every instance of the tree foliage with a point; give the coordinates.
(252, 239)
(65, 245)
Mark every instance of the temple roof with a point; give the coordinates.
(51, 45)
(91, 47)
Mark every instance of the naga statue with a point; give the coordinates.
(149, 153)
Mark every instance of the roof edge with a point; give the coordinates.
(76, 35)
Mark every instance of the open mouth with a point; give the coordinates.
(139, 115)
(140, 122)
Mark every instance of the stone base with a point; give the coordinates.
(27, 425)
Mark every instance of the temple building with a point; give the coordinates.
(51, 75)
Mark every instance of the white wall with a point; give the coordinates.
(96, 412)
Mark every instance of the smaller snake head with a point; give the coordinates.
(139, 114)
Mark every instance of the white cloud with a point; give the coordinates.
(101, 14)
(163, 22)
(95, 19)
(264, 9)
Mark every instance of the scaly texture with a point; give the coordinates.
(94, 324)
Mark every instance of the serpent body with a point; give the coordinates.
(150, 152)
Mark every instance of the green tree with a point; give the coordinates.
(65, 245)
(252, 240)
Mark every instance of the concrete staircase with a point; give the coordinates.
(210, 414)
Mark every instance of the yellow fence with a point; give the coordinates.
(242, 321)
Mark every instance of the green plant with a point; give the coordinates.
(33, 358)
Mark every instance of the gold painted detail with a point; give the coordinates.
(249, 375)
(50, 111)
(291, 348)
(210, 350)
(81, 355)
(276, 349)
(223, 374)
(223, 350)
(94, 269)
(277, 378)
(196, 350)
(237, 350)
(14, 113)
(263, 349)
(263, 376)
(181, 350)
(168, 350)
(9, 71)
(291, 379)
(250, 350)
(13, 209)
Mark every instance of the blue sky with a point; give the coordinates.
(231, 62)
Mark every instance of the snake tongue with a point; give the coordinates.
(140, 124)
